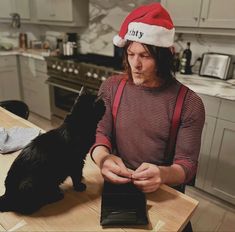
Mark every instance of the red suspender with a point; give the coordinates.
(117, 99)
(170, 150)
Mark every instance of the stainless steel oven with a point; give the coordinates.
(62, 97)
(66, 79)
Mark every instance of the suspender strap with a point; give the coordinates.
(170, 150)
(117, 98)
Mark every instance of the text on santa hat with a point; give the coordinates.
(136, 33)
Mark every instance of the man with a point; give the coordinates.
(133, 149)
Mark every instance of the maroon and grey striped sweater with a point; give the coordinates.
(143, 124)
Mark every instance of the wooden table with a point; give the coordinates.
(168, 209)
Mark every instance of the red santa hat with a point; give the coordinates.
(148, 24)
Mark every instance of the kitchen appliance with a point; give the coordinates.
(217, 65)
(70, 47)
(68, 76)
(35, 44)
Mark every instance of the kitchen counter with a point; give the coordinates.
(202, 85)
(34, 53)
(209, 86)
(168, 209)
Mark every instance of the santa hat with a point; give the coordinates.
(148, 24)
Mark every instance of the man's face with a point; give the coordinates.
(142, 64)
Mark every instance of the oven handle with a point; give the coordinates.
(64, 87)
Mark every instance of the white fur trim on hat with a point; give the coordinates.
(150, 34)
(118, 41)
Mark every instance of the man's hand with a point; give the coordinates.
(147, 177)
(114, 170)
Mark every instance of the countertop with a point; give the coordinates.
(168, 209)
(34, 53)
(209, 86)
(202, 85)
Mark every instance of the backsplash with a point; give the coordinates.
(106, 17)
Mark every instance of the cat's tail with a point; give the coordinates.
(18, 198)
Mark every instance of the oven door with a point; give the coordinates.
(62, 96)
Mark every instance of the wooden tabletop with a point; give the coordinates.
(168, 209)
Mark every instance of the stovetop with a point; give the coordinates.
(96, 59)
(89, 70)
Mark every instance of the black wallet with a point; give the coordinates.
(122, 204)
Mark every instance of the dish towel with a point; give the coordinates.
(16, 138)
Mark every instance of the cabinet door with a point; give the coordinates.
(35, 90)
(184, 13)
(221, 168)
(5, 8)
(215, 15)
(206, 142)
(22, 7)
(10, 88)
(14, 6)
(54, 10)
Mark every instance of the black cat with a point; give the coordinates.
(34, 177)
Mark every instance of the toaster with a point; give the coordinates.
(217, 65)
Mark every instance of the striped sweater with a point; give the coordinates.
(143, 123)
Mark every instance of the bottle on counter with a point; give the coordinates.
(23, 40)
(185, 62)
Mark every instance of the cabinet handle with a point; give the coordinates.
(203, 19)
(52, 15)
(196, 18)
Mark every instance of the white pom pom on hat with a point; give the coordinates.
(149, 24)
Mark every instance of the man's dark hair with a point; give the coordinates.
(163, 58)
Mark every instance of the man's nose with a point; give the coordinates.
(137, 62)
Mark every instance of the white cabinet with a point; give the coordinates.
(216, 166)
(35, 90)
(202, 13)
(9, 80)
(21, 7)
(54, 10)
(183, 12)
(62, 12)
(221, 170)
(204, 156)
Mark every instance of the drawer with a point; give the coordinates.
(7, 61)
(38, 101)
(29, 84)
(27, 64)
(227, 110)
(41, 77)
(29, 99)
(24, 60)
(41, 65)
(212, 104)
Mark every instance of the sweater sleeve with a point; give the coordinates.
(189, 135)
(105, 126)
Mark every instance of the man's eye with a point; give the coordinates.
(130, 54)
(145, 56)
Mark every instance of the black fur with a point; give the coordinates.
(34, 177)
